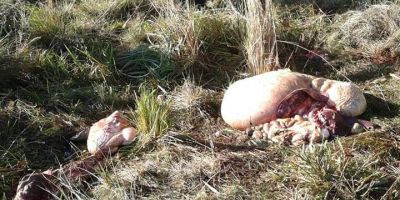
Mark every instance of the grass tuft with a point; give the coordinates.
(13, 17)
(334, 171)
(151, 117)
(261, 45)
(52, 27)
(143, 62)
(193, 104)
(205, 42)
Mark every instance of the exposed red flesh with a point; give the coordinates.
(301, 102)
(310, 103)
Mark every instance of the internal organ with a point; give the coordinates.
(305, 116)
(315, 108)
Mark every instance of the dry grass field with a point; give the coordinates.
(65, 64)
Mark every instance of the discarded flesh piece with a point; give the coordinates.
(110, 133)
(46, 185)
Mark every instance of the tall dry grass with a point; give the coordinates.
(260, 44)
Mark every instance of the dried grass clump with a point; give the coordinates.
(193, 104)
(171, 172)
(180, 170)
(260, 44)
(110, 8)
(372, 33)
(108, 16)
(299, 28)
(333, 171)
(135, 32)
(188, 96)
(331, 6)
(301, 24)
(50, 23)
(13, 27)
(205, 42)
(12, 17)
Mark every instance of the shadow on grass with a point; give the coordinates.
(15, 72)
(329, 6)
(369, 72)
(378, 107)
(24, 149)
(143, 63)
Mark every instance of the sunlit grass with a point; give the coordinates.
(151, 116)
(261, 45)
(334, 171)
(371, 33)
(64, 64)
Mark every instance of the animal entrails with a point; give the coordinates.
(329, 107)
(109, 133)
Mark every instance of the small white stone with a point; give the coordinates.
(357, 128)
(218, 134)
(265, 135)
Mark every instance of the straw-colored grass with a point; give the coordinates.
(64, 64)
(261, 45)
(203, 42)
(193, 104)
(372, 33)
